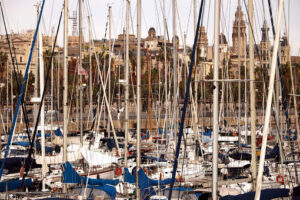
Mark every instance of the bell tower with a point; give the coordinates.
(239, 23)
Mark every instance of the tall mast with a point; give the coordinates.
(149, 92)
(11, 91)
(80, 76)
(127, 84)
(252, 96)
(239, 66)
(109, 65)
(269, 104)
(7, 77)
(138, 130)
(174, 68)
(196, 70)
(215, 100)
(42, 108)
(166, 68)
(36, 70)
(245, 94)
(58, 84)
(65, 88)
(90, 61)
(51, 101)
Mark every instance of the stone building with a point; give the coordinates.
(21, 42)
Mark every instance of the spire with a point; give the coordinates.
(265, 31)
(239, 9)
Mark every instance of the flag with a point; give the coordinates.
(82, 71)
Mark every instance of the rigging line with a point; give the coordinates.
(257, 19)
(207, 23)
(165, 20)
(87, 16)
(50, 23)
(189, 17)
(71, 94)
(104, 95)
(185, 60)
(21, 93)
(224, 24)
(131, 20)
(185, 102)
(145, 21)
(256, 49)
(264, 10)
(29, 158)
(157, 17)
(261, 9)
(44, 26)
(229, 10)
(16, 72)
(88, 10)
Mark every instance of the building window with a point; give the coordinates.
(21, 59)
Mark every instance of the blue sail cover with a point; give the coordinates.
(23, 144)
(58, 132)
(71, 176)
(47, 135)
(128, 177)
(39, 147)
(14, 184)
(266, 194)
(146, 182)
(100, 181)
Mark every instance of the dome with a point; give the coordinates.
(152, 32)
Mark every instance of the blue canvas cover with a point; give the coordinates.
(128, 177)
(266, 194)
(14, 184)
(58, 132)
(71, 176)
(146, 182)
(23, 144)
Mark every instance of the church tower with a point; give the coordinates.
(265, 45)
(285, 50)
(202, 42)
(235, 36)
